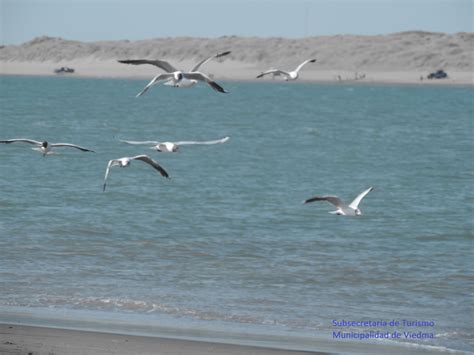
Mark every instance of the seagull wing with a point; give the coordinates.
(203, 77)
(71, 146)
(304, 63)
(109, 165)
(204, 61)
(217, 141)
(163, 76)
(336, 201)
(273, 71)
(153, 163)
(167, 67)
(21, 140)
(140, 142)
(354, 204)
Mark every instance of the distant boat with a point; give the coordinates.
(64, 70)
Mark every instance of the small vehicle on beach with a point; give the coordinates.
(64, 70)
(440, 74)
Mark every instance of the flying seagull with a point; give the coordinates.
(342, 209)
(167, 67)
(125, 161)
(291, 75)
(178, 78)
(44, 147)
(172, 147)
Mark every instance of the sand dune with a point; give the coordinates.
(414, 53)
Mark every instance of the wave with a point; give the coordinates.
(138, 306)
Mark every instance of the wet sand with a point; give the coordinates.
(16, 339)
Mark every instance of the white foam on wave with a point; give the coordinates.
(139, 306)
(427, 347)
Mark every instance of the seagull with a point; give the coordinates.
(292, 75)
(342, 209)
(175, 77)
(44, 147)
(172, 147)
(125, 161)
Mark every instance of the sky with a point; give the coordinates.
(92, 20)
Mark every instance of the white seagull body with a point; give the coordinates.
(44, 147)
(174, 79)
(183, 83)
(342, 209)
(178, 78)
(172, 147)
(288, 75)
(125, 161)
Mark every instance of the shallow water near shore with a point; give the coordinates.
(226, 242)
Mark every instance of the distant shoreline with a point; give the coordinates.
(398, 58)
(228, 71)
(441, 82)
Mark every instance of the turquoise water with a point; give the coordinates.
(226, 242)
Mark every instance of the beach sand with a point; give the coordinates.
(395, 58)
(15, 339)
(227, 72)
(38, 340)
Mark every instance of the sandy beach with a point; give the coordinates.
(36, 340)
(16, 339)
(406, 57)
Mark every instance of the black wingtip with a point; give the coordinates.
(217, 87)
(162, 171)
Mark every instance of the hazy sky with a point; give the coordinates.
(90, 20)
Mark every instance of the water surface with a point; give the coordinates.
(226, 243)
